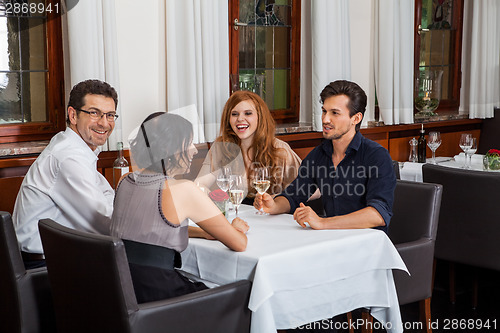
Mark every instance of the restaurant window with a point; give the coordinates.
(438, 45)
(265, 52)
(31, 70)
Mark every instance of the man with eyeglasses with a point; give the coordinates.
(63, 183)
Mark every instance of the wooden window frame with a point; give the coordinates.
(33, 131)
(453, 103)
(281, 116)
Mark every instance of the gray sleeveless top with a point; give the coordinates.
(137, 213)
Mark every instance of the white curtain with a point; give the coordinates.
(330, 51)
(394, 60)
(480, 91)
(93, 49)
(198, 61)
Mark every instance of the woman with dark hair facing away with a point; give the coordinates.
(248, 123)
(152, 209)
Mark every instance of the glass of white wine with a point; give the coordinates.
(223, 178)
(236, 191)
(261, 183)
(224, 181)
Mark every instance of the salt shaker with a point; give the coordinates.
(413, 150)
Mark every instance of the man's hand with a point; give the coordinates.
(264, 201)
(305, 214)
(240, 225)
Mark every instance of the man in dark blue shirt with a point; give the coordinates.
(354, 175)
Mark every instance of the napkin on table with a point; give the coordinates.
(411, 171)
(476, 158)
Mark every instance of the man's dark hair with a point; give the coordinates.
(356, 95)
(89, 87)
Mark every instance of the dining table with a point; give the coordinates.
(412, 171)
(300, 275)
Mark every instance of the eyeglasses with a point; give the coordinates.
(97, 114)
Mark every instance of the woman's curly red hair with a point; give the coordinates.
(264, 151)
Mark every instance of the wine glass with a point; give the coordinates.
(236, 191)
(261, 183)
(223, 178)
(465, 144)
(224, 181)
(471, 151)
(434, 142)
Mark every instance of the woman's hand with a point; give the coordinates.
(240, 225)
(195, 232)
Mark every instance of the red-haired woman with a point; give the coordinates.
(248, 123)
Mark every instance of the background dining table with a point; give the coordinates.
(303, 275)
(412, 171)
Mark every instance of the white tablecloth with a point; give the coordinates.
(303, 275)
(413, 171)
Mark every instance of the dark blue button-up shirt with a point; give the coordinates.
(365, 177)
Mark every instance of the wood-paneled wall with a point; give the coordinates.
(396, 138)
(399, 137)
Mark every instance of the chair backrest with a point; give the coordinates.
(11, 269)
(489, 134)
(25, 300)
(90, 279)
(415, 211)
(468, 230)
(413, 230)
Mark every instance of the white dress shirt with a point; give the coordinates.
(63, 184)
